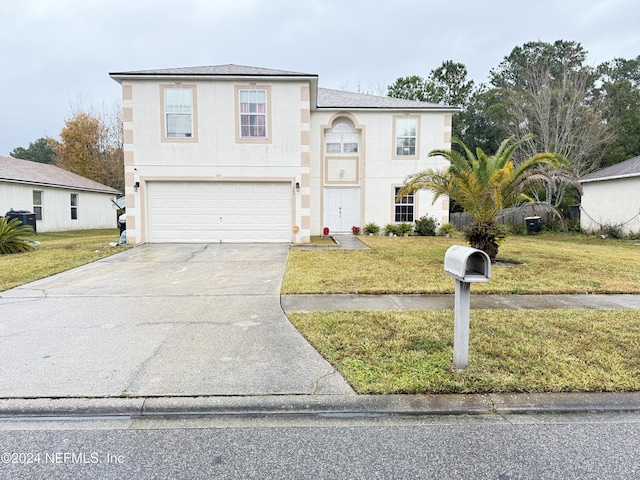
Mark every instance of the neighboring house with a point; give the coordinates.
(61, 200)
(244, 154)
(611, 197)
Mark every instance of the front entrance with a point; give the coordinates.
(341, 209)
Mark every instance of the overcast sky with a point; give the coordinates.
(57, 52)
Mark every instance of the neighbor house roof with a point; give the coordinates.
(326, 98)
(34, 173)
(628, 168)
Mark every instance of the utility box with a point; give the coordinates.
(467, 264)
(26, 217)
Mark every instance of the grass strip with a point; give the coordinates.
(411, 352)
(58, 252)
(548, 264)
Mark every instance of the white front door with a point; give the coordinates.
(341, 209)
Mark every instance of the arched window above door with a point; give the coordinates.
(342, 138)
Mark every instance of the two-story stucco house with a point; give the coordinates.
(241, 154)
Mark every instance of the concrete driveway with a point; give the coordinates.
(160, 320)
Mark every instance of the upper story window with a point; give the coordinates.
(37, 203)
(179, 112)
(253, 113)
(406, 136)
(341, 139)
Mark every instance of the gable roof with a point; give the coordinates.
(23, 171)
(628, 168)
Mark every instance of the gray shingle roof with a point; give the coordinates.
(328, 98)
(216, 70)
(24, 171)
(628, 168)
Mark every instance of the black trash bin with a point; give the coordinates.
(26, 217)
(533, 225)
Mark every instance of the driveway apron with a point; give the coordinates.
(160, 320)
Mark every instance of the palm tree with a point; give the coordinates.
(484, 184)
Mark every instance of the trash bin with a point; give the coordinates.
(533, 225)
(26, 217)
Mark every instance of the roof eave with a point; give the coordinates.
(57, 185)
(119, 77)
(612, 177)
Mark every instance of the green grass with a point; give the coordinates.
(510, 351)
(58, 251)
(551, 264)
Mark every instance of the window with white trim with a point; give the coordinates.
(253, 113)
(406, 136)
(403, 207)
(37, 203)
(74, 206)
(178, 112)
(341, 139)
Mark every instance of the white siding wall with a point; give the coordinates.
(94, 209)
(611, 202)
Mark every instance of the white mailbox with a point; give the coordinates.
(467, 264)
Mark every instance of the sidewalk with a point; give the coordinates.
(317, 303)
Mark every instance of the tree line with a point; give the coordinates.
(90, 144)
(549, 94)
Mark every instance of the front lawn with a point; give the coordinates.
(509, 351)
(58, 251)
(551, 264)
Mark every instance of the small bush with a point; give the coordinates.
(447, 229)
(404, 228)
(612, 231)
(391, 228)
(371, 228)
(634, 236)
(426, 226)
(516, 228)
(15, 237)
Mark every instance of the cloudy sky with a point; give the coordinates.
(58, 53)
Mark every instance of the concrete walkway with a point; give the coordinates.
(318, 303)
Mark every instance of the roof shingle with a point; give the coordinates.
(216, 70)
(628, 168)
(24, 171)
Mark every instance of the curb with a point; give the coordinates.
(325, 405)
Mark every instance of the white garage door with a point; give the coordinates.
(205, 212)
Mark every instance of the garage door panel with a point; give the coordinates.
(203, 212)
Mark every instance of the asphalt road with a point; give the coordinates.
(576, 446)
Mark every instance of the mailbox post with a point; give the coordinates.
(467, 265)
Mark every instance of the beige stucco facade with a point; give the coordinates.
(292, 152)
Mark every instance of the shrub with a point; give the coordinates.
(403, 228)
(371, 228)
(426, 226)
(15, 237)
(612, 231)
(447, 229)
(391, 228)
(516, 228)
